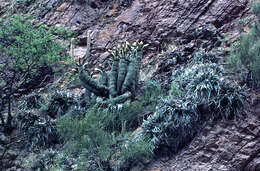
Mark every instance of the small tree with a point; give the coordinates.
(25, 48)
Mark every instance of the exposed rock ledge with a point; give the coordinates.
(151, 21)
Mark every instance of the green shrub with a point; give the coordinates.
(45, 160)
(176, 91)
(32, 43)
(76, 112)
(199, 93)
(173, 125)
(245, 56)
(36, 132)
(137, 150)
(86, 137)
(132, 151)
(32, 101)
(61, 32)
(60, 102)
(62, 162)
(101, 135)
(123, 118)
(152, 92)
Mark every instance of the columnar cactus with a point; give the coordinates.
(123, 79)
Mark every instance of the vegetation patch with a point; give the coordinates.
(116, 123)
(103, 136)
(32, 101)
(59, 103)
(26, 51)
(198, 93)
(245, 56)
(173, 125)
(36, 132)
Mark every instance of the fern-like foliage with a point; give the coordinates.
(173, 124)
(205, 84)
(199, 93)
(101, 137)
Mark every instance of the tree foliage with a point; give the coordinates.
(26, 50)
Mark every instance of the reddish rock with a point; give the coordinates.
(151, 21)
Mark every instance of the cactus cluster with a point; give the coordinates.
(124, 76)
(120, 84)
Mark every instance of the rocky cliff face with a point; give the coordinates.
(152, 21)
(226, 146)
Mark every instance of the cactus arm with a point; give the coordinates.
(103, 80)
(129, 77)
(117, 100)
(72, 47)
(139, 64)
(92, 86)
(123, 65)
(136, 76)
(113, 79)
(138, 70)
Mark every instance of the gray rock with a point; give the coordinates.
(3, 139)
